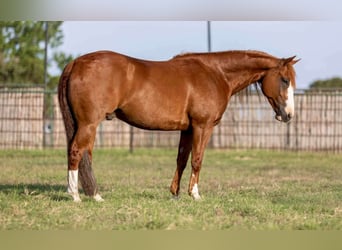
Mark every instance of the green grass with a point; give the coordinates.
(240, 190)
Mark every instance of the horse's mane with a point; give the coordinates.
(250, 53)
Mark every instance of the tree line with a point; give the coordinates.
(331, 83)
(22, 52)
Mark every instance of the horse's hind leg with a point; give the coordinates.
(87, 177)
(81, 149)
(184, 150)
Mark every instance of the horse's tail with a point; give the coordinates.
(66, 110)
(86, 174)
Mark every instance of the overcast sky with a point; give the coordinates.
(317, 43)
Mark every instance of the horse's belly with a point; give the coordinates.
(154, 121)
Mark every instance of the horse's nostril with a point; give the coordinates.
(289, 116)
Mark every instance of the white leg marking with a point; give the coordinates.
(195, 193)
(289, 109)
(98, 198)
(73, 185)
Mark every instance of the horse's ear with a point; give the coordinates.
(291, 60)
(295, 61)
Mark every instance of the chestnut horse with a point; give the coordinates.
(189, 92)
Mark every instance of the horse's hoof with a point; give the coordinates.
(196, 197)
(76, 198)
(98, 198)
(175, 197)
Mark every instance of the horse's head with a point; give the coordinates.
(278, 86)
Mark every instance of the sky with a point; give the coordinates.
(316, 43)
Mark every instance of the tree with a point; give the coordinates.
(61, 59)
(22, 51)
(332, 83)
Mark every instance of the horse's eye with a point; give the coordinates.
(285, 81)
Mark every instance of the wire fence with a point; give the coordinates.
(247, 123)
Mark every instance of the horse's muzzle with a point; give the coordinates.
(284, 117)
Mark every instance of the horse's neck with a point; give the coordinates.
(239, 72)
(238, 69)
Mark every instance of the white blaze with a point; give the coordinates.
(289, 109)
(73, 185)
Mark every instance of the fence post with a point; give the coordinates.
(131, 139)
(45, 104)
(45, 81)
(288, 136)
(100, 134)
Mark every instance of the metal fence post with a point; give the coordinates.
(45, 81)
(131, 139)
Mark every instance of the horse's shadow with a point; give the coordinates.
(54, 192)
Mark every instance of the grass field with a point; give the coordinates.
(240, 190)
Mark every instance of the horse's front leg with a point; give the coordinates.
(201, 136)
(184, 150)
